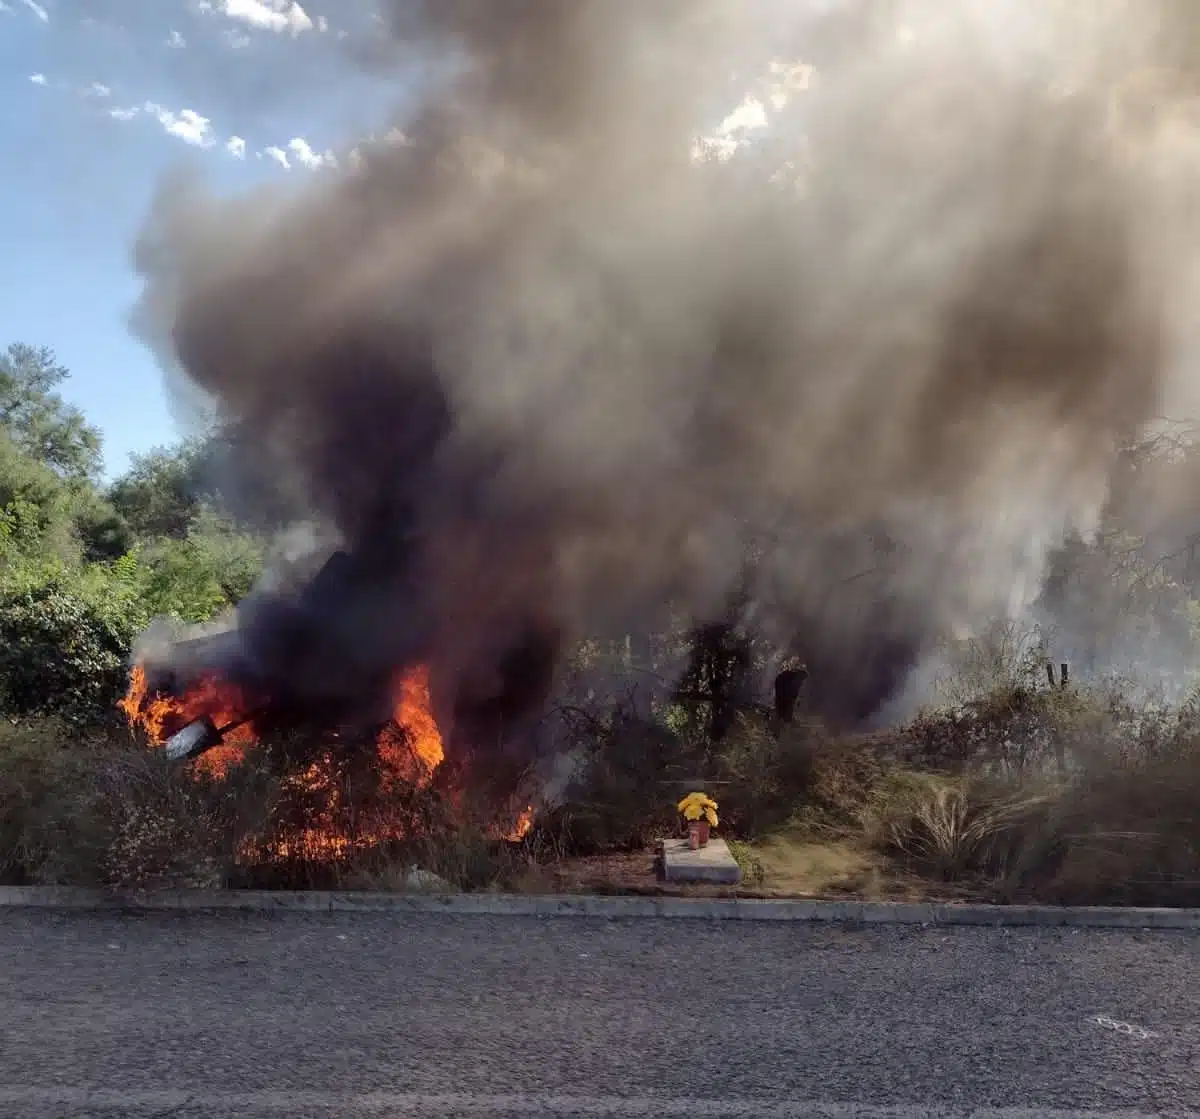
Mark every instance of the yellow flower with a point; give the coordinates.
(697, 806)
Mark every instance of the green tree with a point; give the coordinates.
(235, 557)
(161, 493)
(35, 508)
(48, 517)
(38, 420)
(212, 568)
(103, 534)
(176, 578)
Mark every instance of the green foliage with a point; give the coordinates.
(234, 557)
(161, 493)
(35, 507)
(102, 533)
(38, 420)
(210, 569)
(193, 562)
(176, 579)
(64, 645)
(81, 570)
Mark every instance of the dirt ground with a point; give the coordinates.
(774, 869)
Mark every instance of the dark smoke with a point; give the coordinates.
(544, 369)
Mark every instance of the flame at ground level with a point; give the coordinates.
(521, 828)
(415, 737)
(414, 712)
(160, 716)
(332, 825)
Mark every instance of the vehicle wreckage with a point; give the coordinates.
(301, 661)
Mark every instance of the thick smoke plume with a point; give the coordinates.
(558, 360)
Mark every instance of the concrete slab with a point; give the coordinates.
(711, 863)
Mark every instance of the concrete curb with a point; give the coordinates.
(612, 907)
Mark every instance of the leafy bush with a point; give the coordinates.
(64, 648)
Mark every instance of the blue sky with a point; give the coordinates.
(100, 99)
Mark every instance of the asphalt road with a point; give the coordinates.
(352, 1014)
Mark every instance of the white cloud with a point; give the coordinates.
(786, 79)
(714, 147)
(299, 153)
(37, 10)
(300, 148)
(748, 117)
(186, 125)
(38, 79)
(236, 147)
(5, 7)
(730, 135)
(265, 15)
(98, 89)
(751, 113)
(175, 40)
(237, 39)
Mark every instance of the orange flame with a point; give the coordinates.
(161, 716)
(521, 828)
(413, 712)
(410, 749)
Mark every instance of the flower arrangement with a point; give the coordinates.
(700, 812)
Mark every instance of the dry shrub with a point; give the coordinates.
(331, 818)
(971, 801)
(1128, 833)
(844, 779)
(104, 810)
(1119, 824)
(765, 772)
(169, 827)
(634, 769)
(50, 829)
(1007, 732)
(107, 809)
(460, 859)
(622, 794)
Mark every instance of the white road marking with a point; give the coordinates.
(1129, 1029)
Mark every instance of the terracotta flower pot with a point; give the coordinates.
(697, 833)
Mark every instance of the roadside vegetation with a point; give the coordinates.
(1014, 783)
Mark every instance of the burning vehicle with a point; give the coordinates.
(288, 667)
(301, 657)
